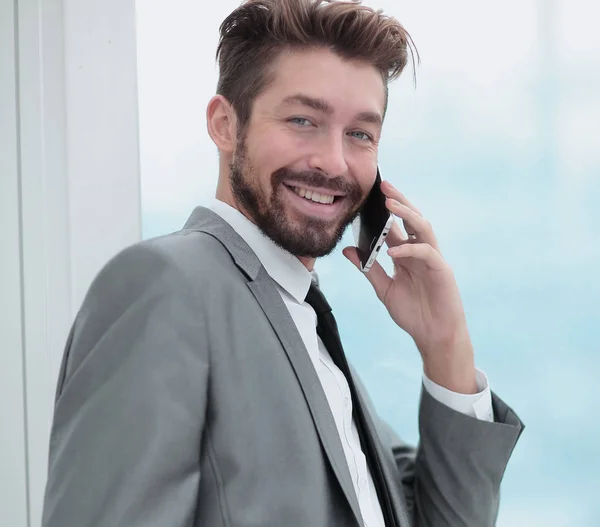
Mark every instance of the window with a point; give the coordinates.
(499, 145)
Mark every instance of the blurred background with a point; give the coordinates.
(498, 144)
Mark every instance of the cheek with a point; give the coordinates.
(366, 173)
(276, 151)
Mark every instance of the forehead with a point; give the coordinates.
(348, 86)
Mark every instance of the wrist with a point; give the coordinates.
(451, 365)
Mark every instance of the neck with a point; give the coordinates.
(309, 263)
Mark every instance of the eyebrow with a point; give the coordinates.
(370, 117)
(316, 104)
(322, 106)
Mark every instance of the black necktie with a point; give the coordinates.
(328, 331)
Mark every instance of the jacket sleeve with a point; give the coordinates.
(453, 477)
(131, 401)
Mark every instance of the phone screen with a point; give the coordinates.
(372, 225)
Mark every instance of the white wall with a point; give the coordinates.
(13, 477)
(69, 200)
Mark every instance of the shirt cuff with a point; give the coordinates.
(477, 405)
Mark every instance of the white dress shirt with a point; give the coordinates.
(293, 281)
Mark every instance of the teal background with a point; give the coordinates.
(499, 146)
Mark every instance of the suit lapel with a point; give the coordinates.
(265, 291)
(267, 295)
(398, 503)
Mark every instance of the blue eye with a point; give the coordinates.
(363, 136)
(300, 121)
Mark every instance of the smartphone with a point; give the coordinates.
(371, 226)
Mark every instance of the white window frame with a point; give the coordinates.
(69, 200)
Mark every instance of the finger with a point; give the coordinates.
(377, 276)
(395, 236)
(352, 254)
(419, 251)
(392, 192)
(413, 222)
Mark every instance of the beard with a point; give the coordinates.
(306, 236)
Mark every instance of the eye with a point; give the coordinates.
(300, 121)
(363, 136)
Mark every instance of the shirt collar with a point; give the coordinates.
(282, 266)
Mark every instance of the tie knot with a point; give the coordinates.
(317, 300)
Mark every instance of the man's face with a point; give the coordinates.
(308, 157)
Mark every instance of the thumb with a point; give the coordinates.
(352, 254)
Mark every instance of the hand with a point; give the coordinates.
(422, 296)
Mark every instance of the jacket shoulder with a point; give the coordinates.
(186, 265)
(183, 255)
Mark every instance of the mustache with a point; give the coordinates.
(317, 179)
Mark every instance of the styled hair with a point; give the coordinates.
(258, 31)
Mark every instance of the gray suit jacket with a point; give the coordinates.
(187, 398)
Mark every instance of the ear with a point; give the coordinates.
(222, 124)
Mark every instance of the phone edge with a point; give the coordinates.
(378, 245)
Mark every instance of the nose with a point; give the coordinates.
(329, 156)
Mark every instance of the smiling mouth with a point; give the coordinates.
(316, 197)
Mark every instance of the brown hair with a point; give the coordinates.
(255, 33)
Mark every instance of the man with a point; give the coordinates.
(204, 383)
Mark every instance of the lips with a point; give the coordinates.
(323, 196)
(317, 197)
(317, 204)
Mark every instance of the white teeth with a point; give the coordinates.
(314, 196)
